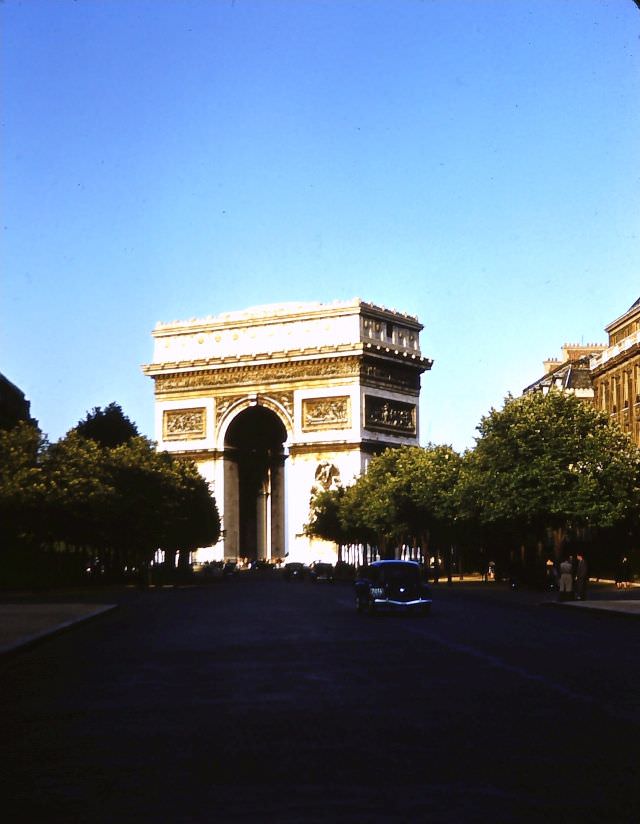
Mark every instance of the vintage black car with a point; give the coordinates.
(392, 586)
(294, 571)
(321, 571)
(230, 568)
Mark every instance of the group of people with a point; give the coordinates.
(573, 577)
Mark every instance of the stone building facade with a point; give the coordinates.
(616, 373)
(570, 374)
(275, 403)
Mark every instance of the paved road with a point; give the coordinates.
(266, 701)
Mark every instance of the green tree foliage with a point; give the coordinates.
(543, 462)
(430, 493)
(552, 461)
(190, 516)
(131, 500)
(325, 519)
(334, 518)
(101, 492)
(369, 508)
(408, 496)
(80, 500)
(22, 483)
(108, 426)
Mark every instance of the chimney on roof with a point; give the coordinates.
(574, 351)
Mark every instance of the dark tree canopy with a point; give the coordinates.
(408, 496)
(325, 516)
(553, 461)
(543, 465)
(22, 483)
(109, 426)
(101, 493)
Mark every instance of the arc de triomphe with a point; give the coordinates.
(276, 402)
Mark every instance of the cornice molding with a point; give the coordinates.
(323, 447)
(623, 320)
(372, 352)
(387, 373)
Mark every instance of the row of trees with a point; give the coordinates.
(547, 470)
(101, 498)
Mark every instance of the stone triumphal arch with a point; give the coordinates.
(278, 402)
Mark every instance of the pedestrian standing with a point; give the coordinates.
(436, 569)
(582, 577)
(624, 575)
(566, 579)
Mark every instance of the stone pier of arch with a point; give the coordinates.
(276, 403)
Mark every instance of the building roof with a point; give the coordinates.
(277, 312)
(634, 309)
(572, 376)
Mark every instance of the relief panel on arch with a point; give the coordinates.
(388, 415)
(326, 413)
(184, 424)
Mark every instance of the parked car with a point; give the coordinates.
(321, 571)
(294, 571)
(392, 586)
(260, 565)
(214, 570)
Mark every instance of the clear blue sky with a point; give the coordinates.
(473, 162)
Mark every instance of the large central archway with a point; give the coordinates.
(254, 485)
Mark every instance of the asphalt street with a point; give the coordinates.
(261, 700)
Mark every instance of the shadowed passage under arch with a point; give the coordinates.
(254, 485)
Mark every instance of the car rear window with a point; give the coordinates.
(396, 573)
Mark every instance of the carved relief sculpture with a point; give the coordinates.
(184, 424)
(223, 403)
(326, 413)
(284, 399)
(251, 375)
(327, 479)
(389, 415)
(327, 476)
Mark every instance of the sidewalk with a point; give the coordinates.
(22, 625)
(602, 596)
(621, 606)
